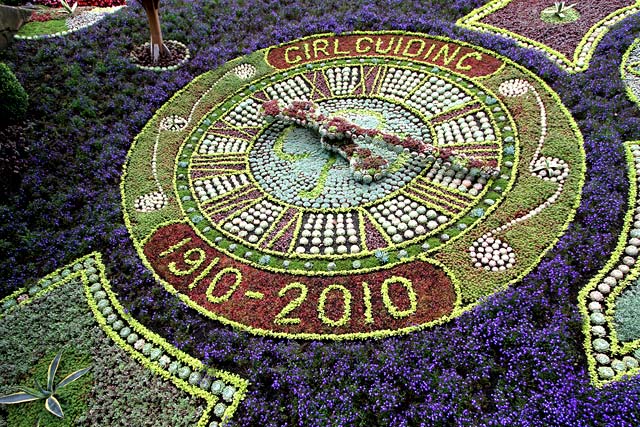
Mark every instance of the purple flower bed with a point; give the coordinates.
(516, 360)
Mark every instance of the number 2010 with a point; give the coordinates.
(284, 317)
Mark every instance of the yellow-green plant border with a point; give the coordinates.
(71, 272)
(583, 295)
(572, 66)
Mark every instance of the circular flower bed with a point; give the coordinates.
(253, 202)
(178, 55)
(50, 22)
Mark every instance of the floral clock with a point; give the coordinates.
(260, 223)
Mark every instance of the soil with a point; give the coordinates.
(141, 55)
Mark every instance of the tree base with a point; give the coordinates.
(177, 54)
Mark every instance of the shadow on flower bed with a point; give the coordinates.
(13, 145)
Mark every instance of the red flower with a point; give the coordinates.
(271, 108)
(475, 163)
(371, 132)
(445, 153)
(363, 152)
(391, 139)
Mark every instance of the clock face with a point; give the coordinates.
(263, 225)
(252, 179)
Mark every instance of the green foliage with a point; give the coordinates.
(560, 13)
(35, 28)
(627, 314)
(14, 98)
(125, 390)
(17, 331)
(118, 388)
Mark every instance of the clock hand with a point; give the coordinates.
(344, 137)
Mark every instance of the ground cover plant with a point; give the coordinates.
(152, 383)
(59, 18)
(517, 358)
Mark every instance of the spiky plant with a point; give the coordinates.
(68, 8)
(28, 394)
(561, 9)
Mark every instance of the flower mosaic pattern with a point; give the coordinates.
(76, 22)
(323, 180)
(611, 354)
(244, 71)
(608, 303)
(489, 252)
(278, 237)
(221, 390)
(569, 40)
(630, 71)
(173, 123)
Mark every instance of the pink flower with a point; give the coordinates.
(475, 163)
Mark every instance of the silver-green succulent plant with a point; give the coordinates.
(28, 394)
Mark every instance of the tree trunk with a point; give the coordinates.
(158, 48)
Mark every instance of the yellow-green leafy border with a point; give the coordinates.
(96, 281)
(609, 302)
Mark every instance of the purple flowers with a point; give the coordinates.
(515, 360)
